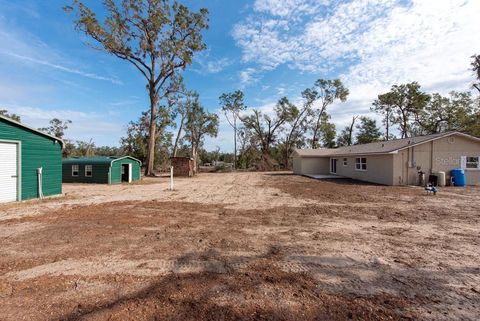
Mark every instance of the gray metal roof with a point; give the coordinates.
(383, 147)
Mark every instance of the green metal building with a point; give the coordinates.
(30, 162)
(101, 170)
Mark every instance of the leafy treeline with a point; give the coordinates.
(268, 139)
(176, 123)
(414, 112)
(5, 113)
(160, 38)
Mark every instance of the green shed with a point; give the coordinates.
(101, 170)
(30, 162)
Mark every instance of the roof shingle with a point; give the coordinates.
(382, 147)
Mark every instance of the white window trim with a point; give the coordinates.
(91, 170)
(73, 171)
(360, 163)
(470, 168)
(345, 161)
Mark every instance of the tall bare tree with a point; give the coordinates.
(266, 127)
(158, 37)
(297, 124)
(232, 105)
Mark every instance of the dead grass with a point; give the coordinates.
(242, 246)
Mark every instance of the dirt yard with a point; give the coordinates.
(242, 246)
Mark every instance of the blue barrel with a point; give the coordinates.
(459, 178)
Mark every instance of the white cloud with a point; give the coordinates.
(288, 7)
(216, 66)
(84, 126)
(208, 64)
(370, 44)
(23, 47)
(248, 76)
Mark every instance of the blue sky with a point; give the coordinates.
(267, 48)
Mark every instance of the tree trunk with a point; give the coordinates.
(387, 125)
(152, 130)
(235, 144)
(405, 125)
(180, 128)
(194, 156)
(315, 138)
(316, 129)
(350, 131)
(287, 154)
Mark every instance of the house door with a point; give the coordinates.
(8, 172)
(333, 165)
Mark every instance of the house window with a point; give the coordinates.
(345, 162)
(473, 162)
(361, 164)
(74, 170)
(88, 170)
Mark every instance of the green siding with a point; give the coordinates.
(100, 167)
(37, 151)
(99, 174)
(116, 171)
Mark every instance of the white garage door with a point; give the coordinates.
(8, 172)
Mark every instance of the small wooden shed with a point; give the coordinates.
(101, 170)
(182, 166)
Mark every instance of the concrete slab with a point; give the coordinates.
(318, 176)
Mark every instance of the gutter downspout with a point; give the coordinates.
(40, 182)
(431, 156)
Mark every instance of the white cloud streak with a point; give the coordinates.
(64, 68)
(84, 126)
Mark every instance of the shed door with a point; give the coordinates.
(8, 172)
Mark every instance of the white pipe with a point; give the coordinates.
(40, 183)
(171, 178)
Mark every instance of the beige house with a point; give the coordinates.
(395, 162)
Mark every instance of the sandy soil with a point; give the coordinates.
(242, 246)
